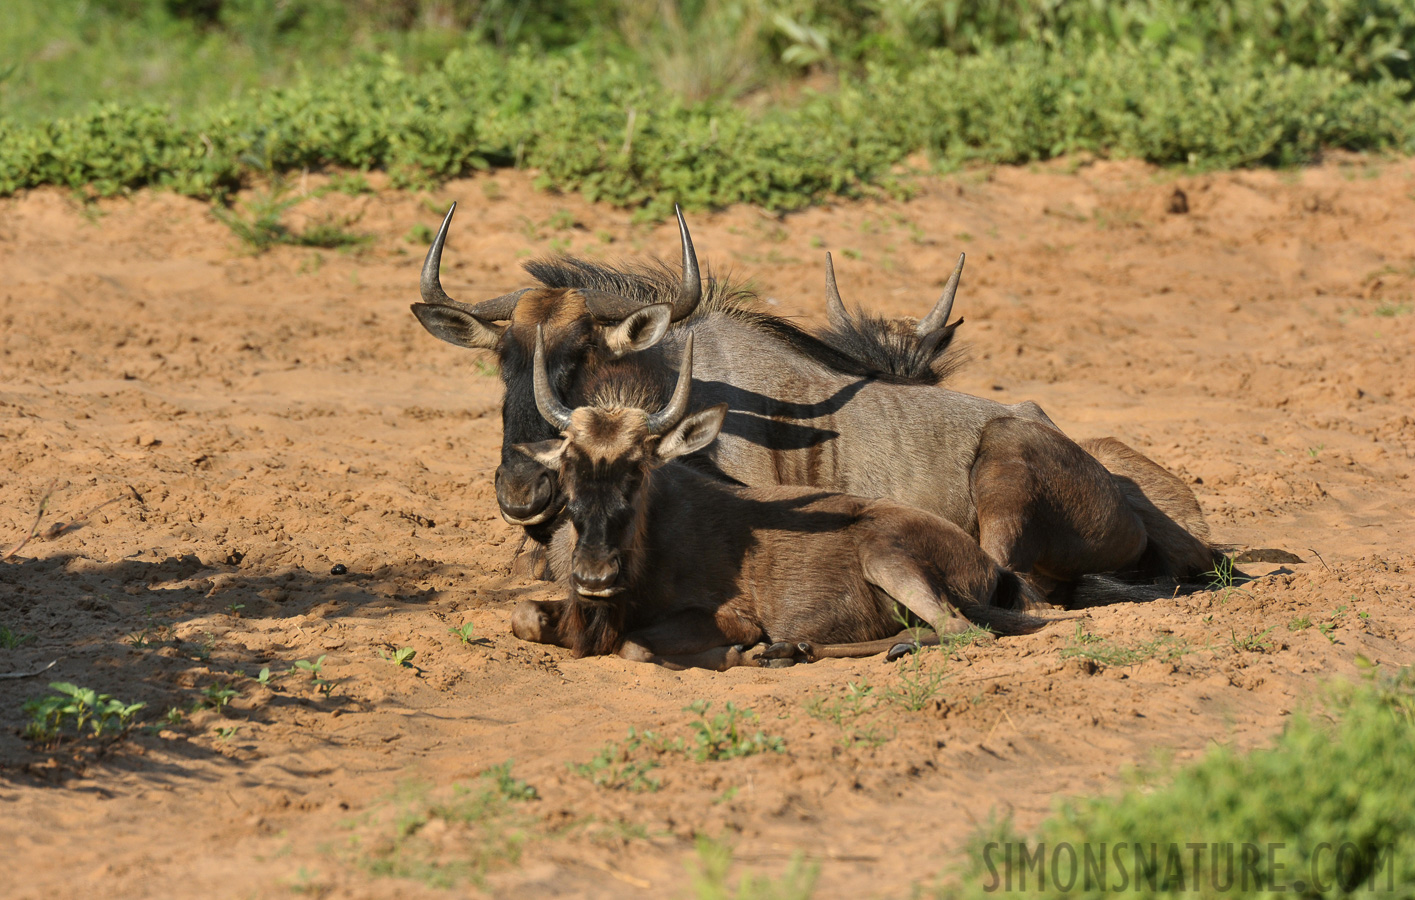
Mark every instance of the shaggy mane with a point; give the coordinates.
(658, 282)
(880, 343)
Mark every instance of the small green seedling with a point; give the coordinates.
(84, 706)
(218, 694)
(264, 676)
(615, 768)
(10, 640)
(1333, 622)
(401, 657)
(203, 651)
(315, 668)
(846, 712)
(1224, 577)
(466, 633)
(724, 735)
(1253, 642)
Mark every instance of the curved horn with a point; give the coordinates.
(691, 291)
(677, 406)
(431, 284)
(497, 309)
(938, 317)
(555, 412)
(834, 307)
(607, 307)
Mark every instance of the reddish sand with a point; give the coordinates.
(258, 419)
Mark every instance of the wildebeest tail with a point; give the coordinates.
(1016, 608)
(1178, 544)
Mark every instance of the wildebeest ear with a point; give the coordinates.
(547, 453)
(639, 330)
(695, 432)
(458, 327)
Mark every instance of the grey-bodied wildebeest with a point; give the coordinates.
(919, 350)
(664, 563)
(801, 412)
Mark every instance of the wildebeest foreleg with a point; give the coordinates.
(538, 621)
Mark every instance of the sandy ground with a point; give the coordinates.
(258, 419)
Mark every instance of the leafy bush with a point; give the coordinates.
(1367, 39)
(1320, 788)
(598, 127)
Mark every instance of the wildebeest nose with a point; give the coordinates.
(596, 574)
(519, 500)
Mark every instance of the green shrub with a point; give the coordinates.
(597, 127)
(1321, 787)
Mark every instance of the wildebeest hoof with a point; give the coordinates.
(743, 655)
(784, 653)
(901, 649)
(781, 663)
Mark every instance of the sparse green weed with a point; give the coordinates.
(10, 640)
(1333, 622)
(315, 669)
(217, 694)
(329, 234)
(71, 704)
(917, 683)
(316, 672)
(711, 871)
(1252, 642)
(480, 826)
(466, 633)
(1225, 578)
(1099, 650)
(351, 183)
(725, 735)
(614, 766)
(847, 712)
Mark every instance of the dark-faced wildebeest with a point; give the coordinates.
(801, 412)
(666, 564)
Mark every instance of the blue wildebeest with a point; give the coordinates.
(664, 563)
(803, 412)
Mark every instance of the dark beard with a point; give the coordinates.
(593, 627)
